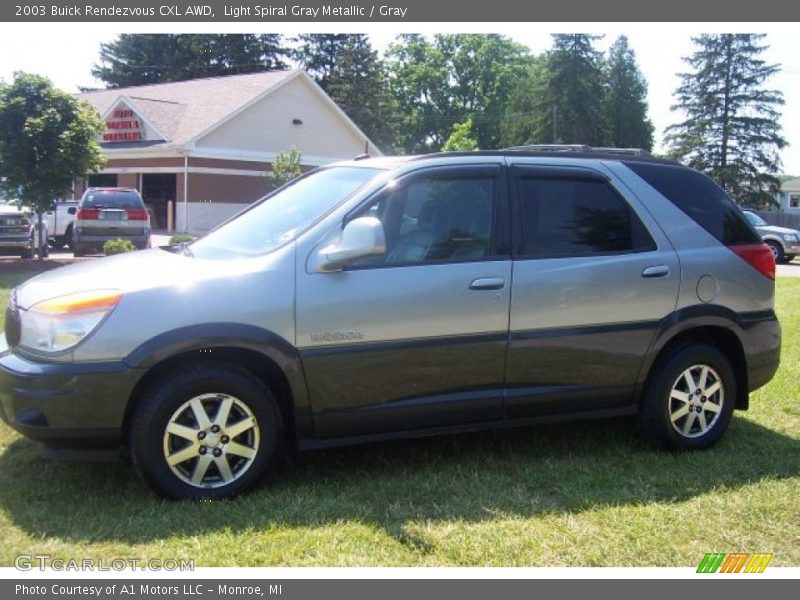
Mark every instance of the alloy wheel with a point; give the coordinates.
(211, 440)
(696, 400)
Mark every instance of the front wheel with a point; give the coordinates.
(689, 400)
(207, 430)
(777, 252)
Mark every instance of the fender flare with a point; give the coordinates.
(229, 335)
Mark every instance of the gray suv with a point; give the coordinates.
(108, 214)
(400, 297)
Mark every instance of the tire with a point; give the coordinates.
(671, 416)
(78, 250)
(68, 239)
(789, 257)
(171, 401)
(30, 251)
(777, 251)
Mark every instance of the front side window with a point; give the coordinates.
(576, 217)
(435, 219)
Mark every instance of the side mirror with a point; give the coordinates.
(360, 238)
(72, 210)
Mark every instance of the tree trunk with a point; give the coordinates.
(39, 242)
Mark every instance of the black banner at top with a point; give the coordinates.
(409, 11)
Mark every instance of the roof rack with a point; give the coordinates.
(579, 148)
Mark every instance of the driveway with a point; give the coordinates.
(789, 270)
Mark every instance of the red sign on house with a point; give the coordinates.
(123, 125)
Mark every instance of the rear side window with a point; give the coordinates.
(111, 199)
(564, 217)
(699, 197)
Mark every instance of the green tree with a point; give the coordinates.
(571, 108)
(462, 139)
(626, 99)
(47, 140)
(731, 128)
(523, 108)
(147, 58)
(439, 83)
(286, 167)
(350, 71)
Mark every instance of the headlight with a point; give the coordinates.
(789, 237)
(60, 323)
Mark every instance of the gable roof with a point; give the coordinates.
(791, 185)
(183, 109)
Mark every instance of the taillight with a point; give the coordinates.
(758, 256)
(87, 213)
(137, 215)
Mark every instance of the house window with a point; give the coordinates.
(794, 200)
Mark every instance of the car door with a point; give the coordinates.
(593, 276)
(415, 338)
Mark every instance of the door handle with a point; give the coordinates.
(656, 271)
(488, 283)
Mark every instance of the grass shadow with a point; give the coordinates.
(469, 477)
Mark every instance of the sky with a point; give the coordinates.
(66, 54)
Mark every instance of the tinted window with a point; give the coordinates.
(111, 199)
(575, 217)
(436, 219)
(699, 197)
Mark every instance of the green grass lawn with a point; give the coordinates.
(581, 494)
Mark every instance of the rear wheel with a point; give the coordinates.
(208, 430)
(690, 399)
(68, 239)
(78, 249)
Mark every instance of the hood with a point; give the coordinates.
(127, 272)
(777, 230)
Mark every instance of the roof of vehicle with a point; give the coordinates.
(111, 189)
(539, 151)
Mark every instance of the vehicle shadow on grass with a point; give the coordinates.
(468, 477)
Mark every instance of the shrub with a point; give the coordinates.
(181, 238)
(118, 246)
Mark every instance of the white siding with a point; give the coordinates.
(267, 126)
(204, 216)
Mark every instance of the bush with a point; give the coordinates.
(181, 238)
(118, 246)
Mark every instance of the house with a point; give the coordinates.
(201, 150)
(789, 196)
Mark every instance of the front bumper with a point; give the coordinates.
(792, 248)
(16, 242)
(65, 405)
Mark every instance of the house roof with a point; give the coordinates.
(791, 185)
(182, 110)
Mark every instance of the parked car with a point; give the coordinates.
(18, 230)
(782, 241)
(108, 214)
(60, 223)
(374, 299)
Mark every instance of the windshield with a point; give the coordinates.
(279, 219)
(754, 219)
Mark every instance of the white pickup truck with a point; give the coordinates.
(59, 223)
